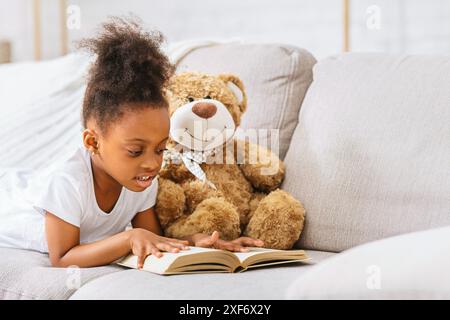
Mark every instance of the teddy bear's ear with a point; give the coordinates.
(237, 87)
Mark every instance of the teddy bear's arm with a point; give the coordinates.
(170, 202)
(260, 166)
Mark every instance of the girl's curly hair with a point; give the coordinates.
(130, 71)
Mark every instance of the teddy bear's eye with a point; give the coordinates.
(208, 97)
(190, 99)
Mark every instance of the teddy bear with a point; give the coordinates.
(210, 180)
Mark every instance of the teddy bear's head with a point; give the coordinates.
(205, 109)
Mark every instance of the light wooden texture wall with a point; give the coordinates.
(406, 26)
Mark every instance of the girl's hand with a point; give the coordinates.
(144, 243)
(213, 241)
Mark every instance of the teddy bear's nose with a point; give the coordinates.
(204, 110)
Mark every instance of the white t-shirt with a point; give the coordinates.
(67, 191)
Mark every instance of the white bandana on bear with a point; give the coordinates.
(192, 161)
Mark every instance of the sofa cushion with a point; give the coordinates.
(28, 275)
(263, 283)
(276, 78)
(410, 266)
(370, 156)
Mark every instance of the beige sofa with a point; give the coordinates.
(366, 142)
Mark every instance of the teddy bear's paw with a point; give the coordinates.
(170, 202)
(196, 191)
(213, 214)
(278, 220)
(260, 166)
(254, 203)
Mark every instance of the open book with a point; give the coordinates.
(205, 260)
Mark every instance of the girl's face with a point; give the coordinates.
(131, 152)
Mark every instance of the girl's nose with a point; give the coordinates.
(151, 164)
(204, 110)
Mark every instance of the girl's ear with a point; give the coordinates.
(90, 140)
(237, 87)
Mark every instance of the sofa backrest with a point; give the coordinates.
(370, 156)
(275, 77)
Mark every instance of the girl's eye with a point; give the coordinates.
(134, 153)
(190, 99)
(208, 97)
(161, 151)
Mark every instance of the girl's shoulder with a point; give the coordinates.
(73, 170)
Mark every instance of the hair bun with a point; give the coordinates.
(130, 63)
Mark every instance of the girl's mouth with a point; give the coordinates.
(144, 181)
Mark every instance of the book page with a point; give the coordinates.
(252, 251)
(163, 264)
(256, 255)
(208, 259)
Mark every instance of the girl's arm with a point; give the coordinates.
(64, 246)
(65, 250)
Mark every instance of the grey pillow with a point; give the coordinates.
(370, 156)
(410, 266)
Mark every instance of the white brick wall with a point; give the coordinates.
(407, 26)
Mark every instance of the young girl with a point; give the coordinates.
(78, 211)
